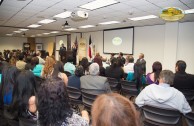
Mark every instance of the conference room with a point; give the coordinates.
(161, 30)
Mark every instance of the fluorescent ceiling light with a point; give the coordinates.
(143, 18)
(32, 36)
(190, 11)
(17, 31)
(70, 29)
(39, 34)
(54, 32)
(34, 26)
(98, 4)
(9, 34)
(65, 14)
(109, 22)
(46, 33)
(46, 21)
(23, 29)
(87, 26)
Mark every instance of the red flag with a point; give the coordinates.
(90, 47)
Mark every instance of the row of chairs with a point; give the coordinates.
(154, 116)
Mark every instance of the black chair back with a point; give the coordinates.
(189, 117)
(154, 116)
(129, 88)
(114, 84)
(74, 95)
(27, 122)
(189, 95)
(89, 96)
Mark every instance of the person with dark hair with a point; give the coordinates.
(84, 62)
(53, 105)
(36, 67)
(182, 79)
(139, 78)
(1, 57)
(142, 61)
(154, 76)
(62, 52)
(114, 71)
(59, 72)
(74, 80)
(163, 95)
(121, 58)
(69, 67)
(74, 52)
(24, 89)
(9, 75)
(20, 64)
(114, 110)
(28, 65)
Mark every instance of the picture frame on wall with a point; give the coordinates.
(26, 46)
(39, 46)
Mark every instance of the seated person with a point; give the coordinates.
(20, 64)
(94, 81)
(84, 62)
(54, 108)
(154, 75)
(163, 95)
(114, 110)
(23, 93)
(69, 67)
(183, 80)
(36, 67)
(129, 64)
(114, 71)
(74, 80)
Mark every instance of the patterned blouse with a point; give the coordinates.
(75, 120)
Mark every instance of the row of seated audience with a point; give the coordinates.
(51, 104)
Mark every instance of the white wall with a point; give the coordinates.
(185, 48)
(157, 45)
(11, 43)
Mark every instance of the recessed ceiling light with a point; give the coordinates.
(70, 29)
(65, 14)
(9, 34)
(54, 32)
(23, 29)
(190, 11)
(17, 31)
(109, 22)
(87, 26)
(34, 26)
(46, 33)
(98, 4)
(39, 34)
(143, 18)
(46, 21)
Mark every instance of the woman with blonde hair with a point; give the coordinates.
(48, 67)
(55, 69)
(114, 110)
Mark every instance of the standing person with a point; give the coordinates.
(40, 59)
(142, 61)
(120, 57)
(74, 52)
(62, 52)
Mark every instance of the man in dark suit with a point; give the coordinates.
(62, 52)
(182, 79)
(142, 61)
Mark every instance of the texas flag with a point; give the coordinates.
(90, 48)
